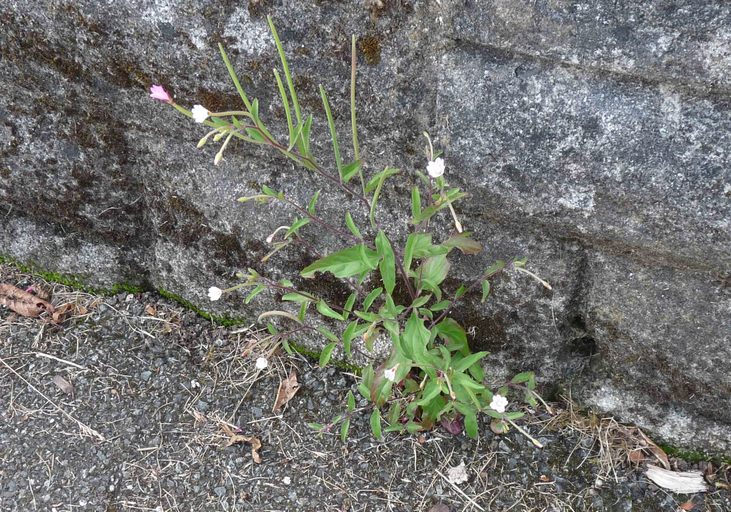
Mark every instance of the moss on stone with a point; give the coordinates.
(224, 320)
(71, 280)
(370, 47)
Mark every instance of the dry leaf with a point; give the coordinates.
(234, 438)
(23, 303)
(286, 391)
(687, 482)
(63, 384)
(636, 456)
(150, 310)
(439, 507)
(457, 475)
(62, 312)
(544, 478)
(688, 505)
(656, 450)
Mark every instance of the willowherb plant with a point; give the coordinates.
(431, 376)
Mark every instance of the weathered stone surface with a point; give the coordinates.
(593, 138)
(686, 42)
(664, 341)
(588, 157)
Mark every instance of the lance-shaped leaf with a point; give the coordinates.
(346, 263)
(387, 265)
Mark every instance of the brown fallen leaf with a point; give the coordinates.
(287, 389)
(63, 384)
(687, 482)
(688, 505)
(22, 302)
(150, 310)
(636, 457)
(234, 438)
(656, 450)
(63, 312)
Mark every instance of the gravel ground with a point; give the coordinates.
(135, 404)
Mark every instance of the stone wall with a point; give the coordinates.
(594, 138)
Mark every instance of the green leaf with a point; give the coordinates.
(460, 291)
(351, 331)
(376, 423)
(327, 353)
(468, 361)
(296, 226)
(415, 338)
(418, 245)
(413, 427)
(345, 263)
(313, 202)
(370, 298)
(256, 291)
(494, 269)
(514, 415)
(415, 202)
(297, 297)
(256, 135)
(387, 265)
(485, 290)
(431, 390)
(433, 271)
(271, 193)
(285, 103)
(379, 179)
(344, 430)
(522, 377)
(440, 306)
(394, 413)
(327, 311)
(254, 111)
(351, 402)
(368, 375)
(464, 242)
(333, 132)
(454, 335)
(470, 425)
(350, 301)
(285, 66)
(420, 301)
(350, 170)
(316, 426)
(305, 137)
(351, 226)
(234, 78)
(328, 334)
(441, 202)
(287, 348)
(365, 391)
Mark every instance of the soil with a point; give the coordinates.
(136, 404)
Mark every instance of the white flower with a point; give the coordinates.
(499, 403)
(390, 374)
(214, 293)
(200, 113)
(435, 168)
(261, 363)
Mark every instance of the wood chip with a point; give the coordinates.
(287, 389)
(687, 482)
(63, 384)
